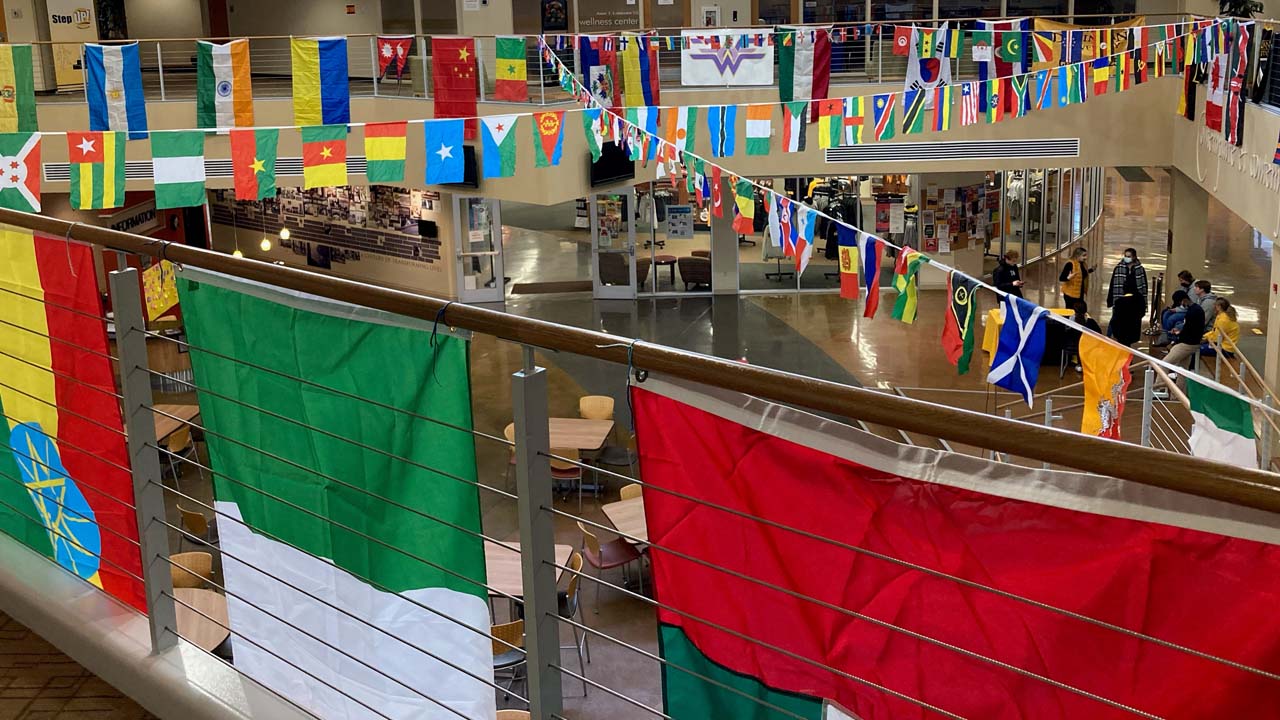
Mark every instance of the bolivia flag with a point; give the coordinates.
(384, 149)
(97, 169)
(371, 507)
(65, 487)
(321, 95)
(18, 111)
(324, 156)
(253, 160)
(1222, 426)
(224, 91)
(1154, 561)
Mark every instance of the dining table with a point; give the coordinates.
(166, 425)
(202, 617)
(504, 575)
(628, 518)
(579, 433)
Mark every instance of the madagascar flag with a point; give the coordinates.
(65, 487)
(253, 162)
(957, 327)
(847, 238)
(324, 156)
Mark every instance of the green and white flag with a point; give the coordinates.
(593, 128)
(1222, 426)
(177, 164)
(324, 506)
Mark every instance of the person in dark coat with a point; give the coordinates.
(1006, 275)
(1127, 298)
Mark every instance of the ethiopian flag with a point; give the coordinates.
(65, 487)
(324, 156)
(904, 281)
(370, 503)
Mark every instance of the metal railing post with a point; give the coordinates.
(1048, 418)
(879, 54)
(542, 80)
(1266, 436)
(1148, 400)
(426, 77)
(480, 67)
(537, 538)
(144, 460)
(373, 63)
(160, 69)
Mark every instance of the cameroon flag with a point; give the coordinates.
(324, 156)
(65, 487)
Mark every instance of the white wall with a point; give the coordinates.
(305, 18)
(165, 18)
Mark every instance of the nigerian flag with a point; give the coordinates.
(305, 495)
(1222, 426)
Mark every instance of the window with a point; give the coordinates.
(902, 10)
(1019, 8)
(819, 11)
(968, 8)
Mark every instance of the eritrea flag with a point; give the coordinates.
(65, 488)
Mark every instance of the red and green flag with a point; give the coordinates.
(20, 171)
(510, 69)
(744, 200)
(548, 138)
(384, 150)
(324, 156)
(957, 327)
(905, 282)
(253, 163)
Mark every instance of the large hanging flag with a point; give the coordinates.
(510, 68)
(744, 200)
(942, 108)
(1221, 426)
(722, 122)
(969, 104)
(1215, 98)
(393, 55)
(1015, 366)
(548, 138)
(97, 169)
(113, 88)
(384, 151)
(794, 117)
(177, 165)
(759, 128)
(847, 244)
(594, 122)
(726, 57)
(747, 633)
(499, 145)
(958, 325)
(453, 77)
(324, 156)
(20, 164)
(681, 128)
(912, 111)
(600, 73)
(638, 60)
(321, 91)
(253, 162)
(905, 282)
(18, 111)
(882, 108)
(855, 110)
(926, 72)
(804, 63)
(830, 123)
(65, 487)
(224, 85)
(443, 150)
(1106, 382)
(377, 531)
(870, 250)
(1237, 93)
(993, 65)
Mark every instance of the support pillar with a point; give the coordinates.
(724, 245)
(1188, 227)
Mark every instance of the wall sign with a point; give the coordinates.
(71, 22)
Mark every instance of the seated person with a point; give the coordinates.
(1225, 330)
(1173, 317)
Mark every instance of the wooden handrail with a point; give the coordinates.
(1246, 487)
(1218, 347)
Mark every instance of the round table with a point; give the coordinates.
(206, 633)
(669, 261)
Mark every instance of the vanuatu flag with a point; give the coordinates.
(904, 281)
(324, 156)
(957, 327)
(97, 169)
(384, 147)
(65, 487)
(253, 163)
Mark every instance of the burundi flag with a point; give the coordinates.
(65, 487)
(224, 88)
(324, 156)
(510, 66)
(913, 101)
(18, 111)
(499, 141)
(882, 109)
(958, 325)
(177, 165)
(548, 138)
(942, 108)
(847, 243)
(321, 92)
(370, 505)
(113, 88)
(721, 121)
(97, 169)
(830, 123)
(384, 151)
(20, 171)
(855, 111)
(253, 163)
(1106, 382)
(759, 129)
(904, 281)
(1015, 365)
(1221, 426)
(795, 116)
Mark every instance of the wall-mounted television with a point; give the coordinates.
(470, 178)
(614, 165)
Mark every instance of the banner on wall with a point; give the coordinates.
(606, 16)
(71, 24)
(725, 58)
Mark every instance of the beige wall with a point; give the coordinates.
(165, 18)
(306, 18)
(495, 18)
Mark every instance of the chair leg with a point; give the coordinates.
(598, 579)
(640, 574)
(586, 636)
(582, 668)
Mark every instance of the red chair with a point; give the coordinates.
(616, 553)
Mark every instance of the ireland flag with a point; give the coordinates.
(369, 541)
(1222, 426)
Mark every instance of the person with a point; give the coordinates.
(1225, 331)
(1082, 318)
(1202, 294)
(1127, 298)
(1074, 277)
(1172, 318)
(1006, 276)
(1187, 340)
(1185, 281)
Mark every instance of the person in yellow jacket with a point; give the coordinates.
(1074, 278)
(1225, 330)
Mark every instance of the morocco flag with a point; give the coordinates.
(1200, 574)
(65, 487)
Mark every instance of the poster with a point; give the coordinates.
(897, 218)
(882, 218)
(71, 24)
(555, 15)
(679, 222)
(160, 289)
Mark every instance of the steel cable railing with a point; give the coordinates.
(78, 448)
(68, 411)
(64, 376)
(97, 491)
(77, 513)
(73, 542)
(57, 306)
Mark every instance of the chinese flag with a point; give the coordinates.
(453, 72)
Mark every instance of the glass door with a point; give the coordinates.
(478, 240)
(613, 243)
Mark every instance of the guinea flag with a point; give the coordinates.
(65, 487)
(957, 327)
(253, 161)
(324, 156)
(861, 540)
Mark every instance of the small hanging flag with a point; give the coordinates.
(870, 248)
(847, 240)
(957, 327)
(904, 281)
(744, 218)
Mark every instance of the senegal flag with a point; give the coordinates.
(65, 488)
(325, 504)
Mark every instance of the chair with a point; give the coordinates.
(695, 271)
(614, 271)
(513, 715)
(191, 569)
(180, 446)
(565, 471)
(505, 657)
(596, 407)
(569, 607)
(615, 553)
(701, 253)
(197, 529)
(632, 490)
(509, 432)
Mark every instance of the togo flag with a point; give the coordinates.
(1222, 426)
(20, 162)
(177, 162)
(320, 512)
(224, 91)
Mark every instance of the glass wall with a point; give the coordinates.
(968, 9)
(673, 239)
(1036, 7)
(902, 10)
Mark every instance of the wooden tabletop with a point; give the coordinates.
(628, 517)
(201, 631)
(503, 567)
(579, 433)
(165, 425)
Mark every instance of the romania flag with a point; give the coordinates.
(321, 94)
(324, 156)
(97, 169)
(65, 487)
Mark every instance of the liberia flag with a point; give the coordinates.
(968, 104)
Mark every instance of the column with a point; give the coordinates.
(1188, 227)
(724, 245)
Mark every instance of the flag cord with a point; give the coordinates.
(66, 240)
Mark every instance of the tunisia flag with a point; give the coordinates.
(453, 73)
(901, 40)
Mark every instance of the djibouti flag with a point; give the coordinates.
(177, 163)
(350, 477)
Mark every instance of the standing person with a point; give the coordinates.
(1127, 297)
(1006, 275)
(1074, 278)
(1225, 330)
(1186, 342)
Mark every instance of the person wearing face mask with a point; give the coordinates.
(1127, 298)
(1074, 278)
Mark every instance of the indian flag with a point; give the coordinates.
(1222, 426)
(177, 163)
(224, 90)
(383, 554)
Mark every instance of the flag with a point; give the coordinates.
(1276, 160)
(926, 72)
(384, 151)
(870, 249)
(1237, 71)
(643, 122)
(882, 108)
(995, 92)
(321, 93)
(1106, 381)
(17, 85)
(639, 64)
(97, 169)
(925, 43)
(722, 121)
(324, 156)
(1010, 46)
(953, 40)
(600, 75)
(1062, 83)
(1046, 89)
(913, 111)
(1221, 426)
(786, 224)
(593, 124)
(794, 129)
(548, 138)
(902, 39)
(681, 128)
(724, 60)
(1079, 80)
(113, 88)
(957, 326)
(1015, 366)
(1101, 76)
(510, 69)
(1044, 47)
(393, 55)
(744, 198)
(453, 76)
(759, 129)
(995, 67)
(253, 163)
(969, 104)
(942, 108)
(1215, 98)
(177, 165)
(65, 487)
(847, 242)
(305, 511)
(802, 229)
(717, 205)
(499, 145)
(981, 42)
(20, 164)
(224, 88)
(753, 615)
(854, 119)
(830, 123)
(804, 63)
(904, 281)
(443, 151)
(1018, 90)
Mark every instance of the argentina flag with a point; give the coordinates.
(113, 86)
